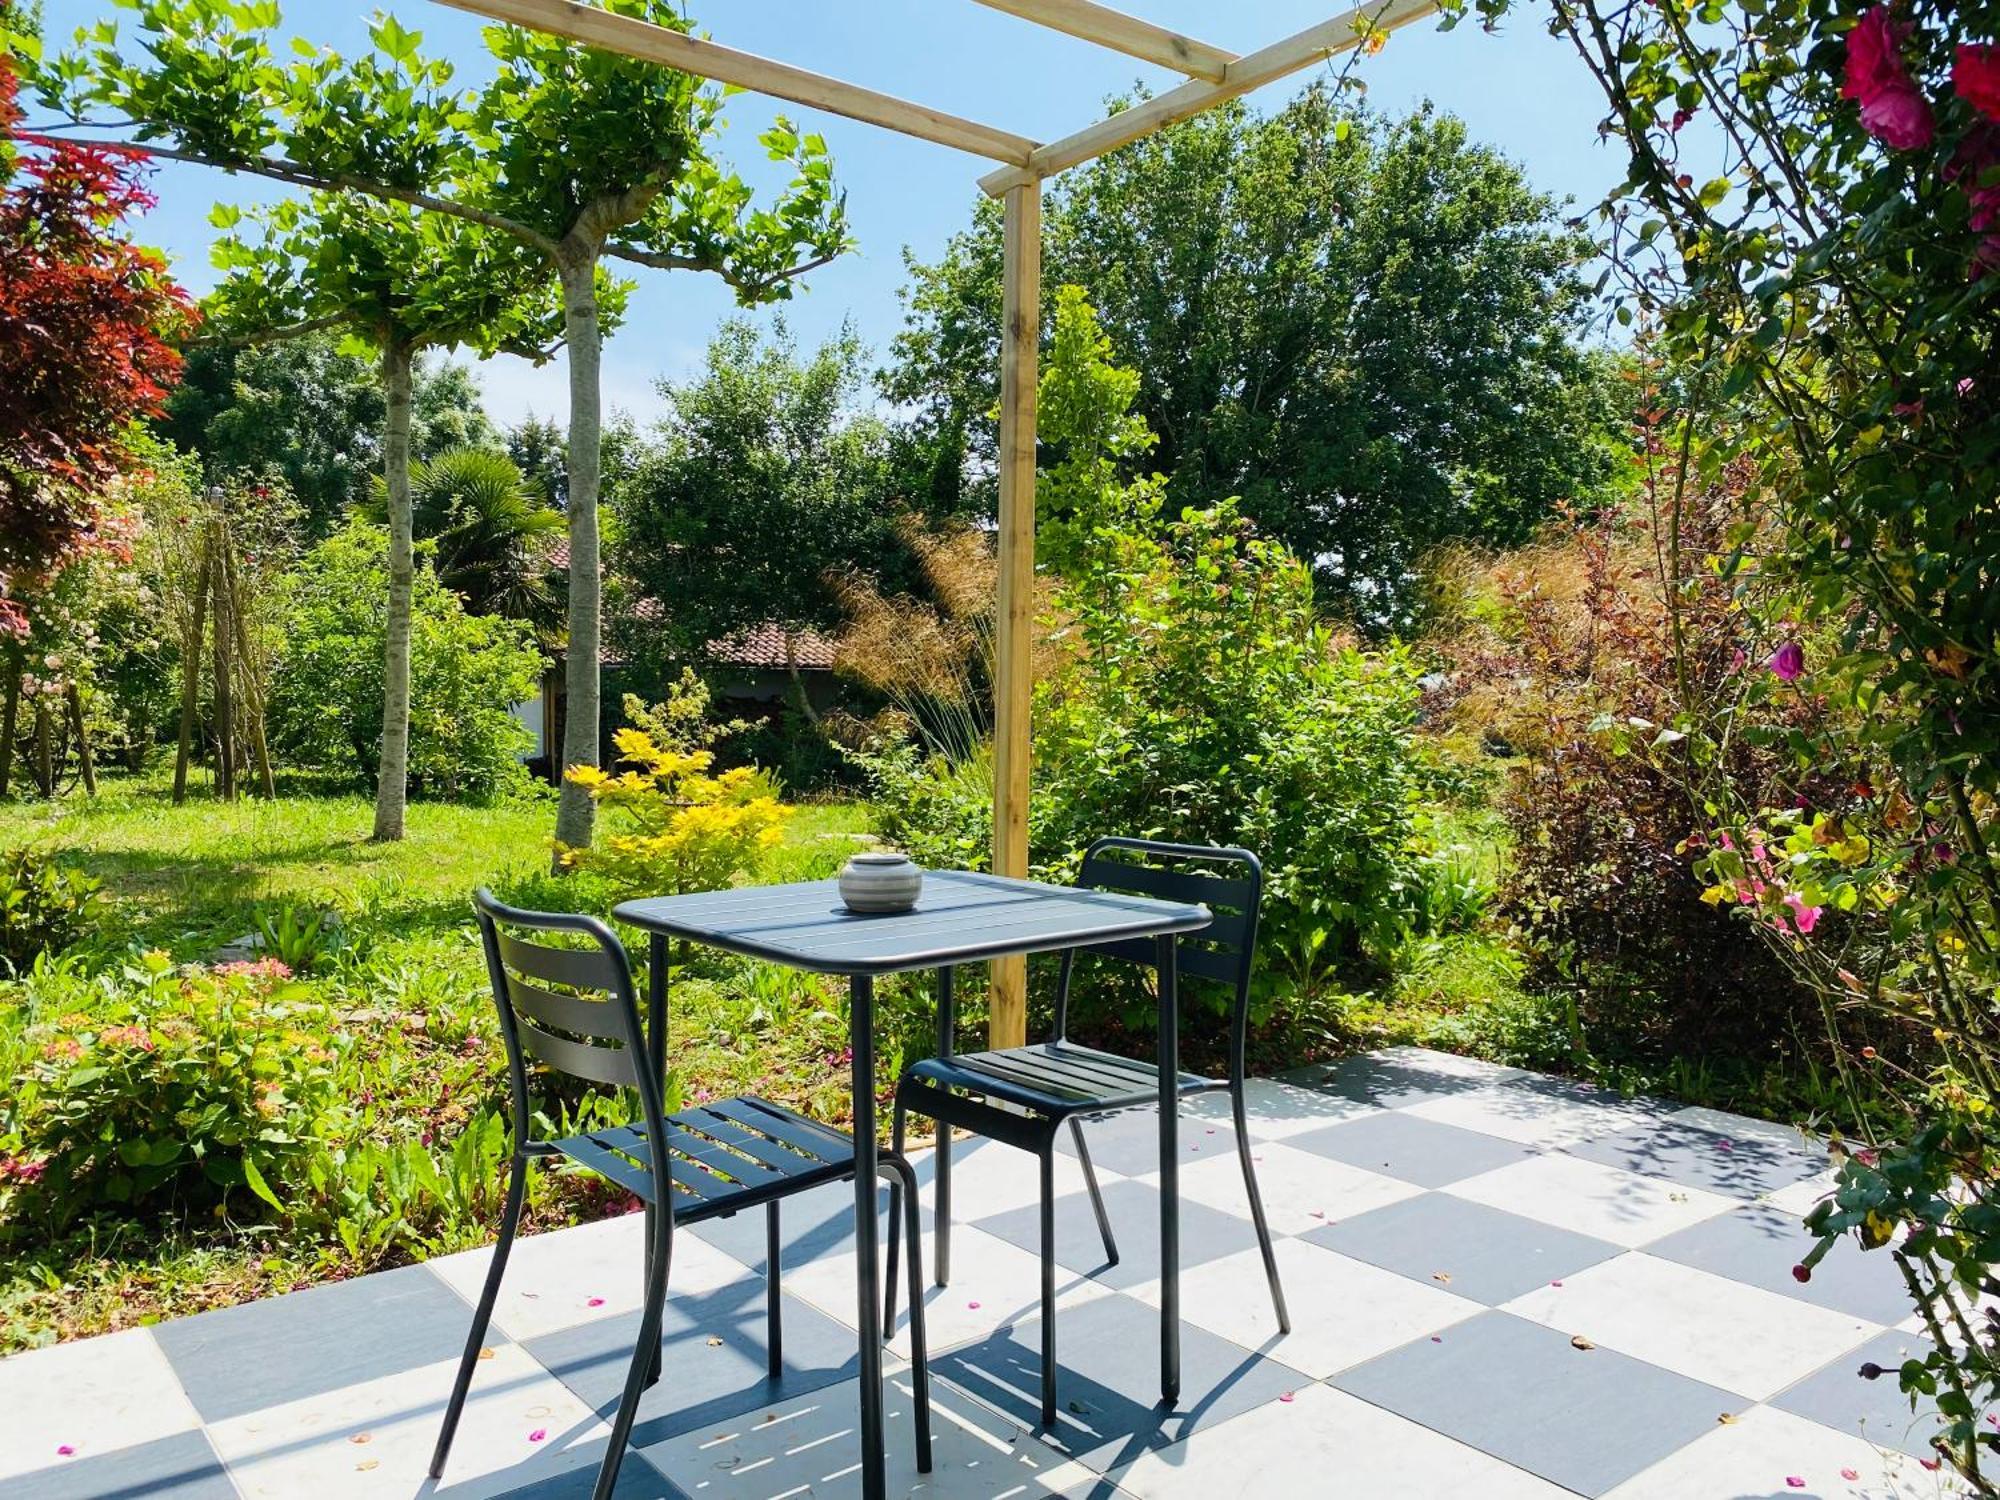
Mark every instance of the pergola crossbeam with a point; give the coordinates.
(1252, 71)
(1122, 33)
(689, 54)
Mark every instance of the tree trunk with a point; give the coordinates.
(392, 774)
(10, 720)
(45, 760)
(83, 760)
(191, 679)
(225, 711)
(580, 727)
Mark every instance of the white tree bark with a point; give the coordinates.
(392, 776)
(584, 343)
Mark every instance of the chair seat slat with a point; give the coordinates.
(803, 1136)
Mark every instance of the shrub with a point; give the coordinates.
(684, 829)
(43, 907)
(467, 671)
(164, 1090)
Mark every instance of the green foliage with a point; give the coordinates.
(1366, 329)
(490, 534)
(44, 907)
(163, 1090)
(467, 672)
(762, 446)
(297, 936)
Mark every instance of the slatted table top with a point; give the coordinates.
(961, 917)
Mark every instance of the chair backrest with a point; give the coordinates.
(572, 1008)
(1229, 881)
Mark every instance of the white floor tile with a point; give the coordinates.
(1324, 1442)
(993, 1283)
(572, 1276)
(1744, 1127)
(1801, 1197)
(809, 1446)
(1274, 1109)
(1343, 1311)
(1448, 1064)
(1765, 1451)
(1301, 1191)
(1529, 1117)
(1593, 1199)
(520, 1424)
(91, 1396)
(989, 1178)
(1741, 1338)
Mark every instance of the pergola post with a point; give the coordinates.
(1014, 641)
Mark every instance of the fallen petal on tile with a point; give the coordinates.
(486, 1352)
(1727, 1419)
(362, 1437)
(1286, 1398)
(714, 1342)
(594, 1302)
(368, 1463)
(1795, 1482)
(973, 1306)
(1850, 1473)
(1578, 1341)
(1443, 1277)
(538, 1434)
(65, 1450)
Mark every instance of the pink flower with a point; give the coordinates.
(1892, 109)
(1804, 917)
(1788, 661)
(1975, 75)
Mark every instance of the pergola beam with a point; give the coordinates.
(1252, 71)
(689, 54)
(1122, 33)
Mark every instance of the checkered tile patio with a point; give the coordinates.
(1503, 1286)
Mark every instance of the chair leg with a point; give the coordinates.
(1257, 1211)
(652, 1221)
(1048, 1160)
(942, 1234)
(482, 1315)
(774, 1316)
(897, 1127)
(643, 1354)
(1096, 1198)
(903, 1180)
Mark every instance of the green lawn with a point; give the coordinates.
(405, 1015)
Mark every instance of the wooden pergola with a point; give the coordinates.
(1214, 76)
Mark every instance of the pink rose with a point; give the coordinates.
(1975, 76)
(1892, 108)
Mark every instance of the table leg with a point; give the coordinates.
(868, 1275)
(1170, 1171)
(657, 949)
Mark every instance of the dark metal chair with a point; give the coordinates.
(1025, 1096)
(574, 1009)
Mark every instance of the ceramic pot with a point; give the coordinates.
(879, 882)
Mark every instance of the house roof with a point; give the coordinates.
(767, 647)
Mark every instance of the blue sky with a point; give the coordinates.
(1520, 90)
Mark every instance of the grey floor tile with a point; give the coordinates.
(712, 1360)
(1490, 1256)
(243, 1359)
(1692, 1157)
(1109, 1411)
(1758, 1244)
(638, 1479)
(1129, 1142)
(181, 1467)
(1584, 1419)
(1134, 1209)
(1389, 1082)
(1411, 1149)
(1876, 1410)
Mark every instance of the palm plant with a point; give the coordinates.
(491, 532)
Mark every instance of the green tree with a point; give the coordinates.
(1365, 328)
(578, 154)
(767, 478)
(401, 280)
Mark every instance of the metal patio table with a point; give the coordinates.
(961, 918)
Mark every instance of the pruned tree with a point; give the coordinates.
(578, 155)
(402, 280)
